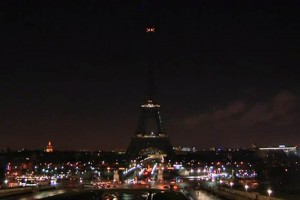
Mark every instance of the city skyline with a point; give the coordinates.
(226, 75)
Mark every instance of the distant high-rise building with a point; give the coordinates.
(49, 147)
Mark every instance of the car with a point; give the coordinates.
(174, 187)
(166, 187)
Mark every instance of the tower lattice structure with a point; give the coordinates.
(150, 137)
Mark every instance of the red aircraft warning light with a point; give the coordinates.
(150, 29)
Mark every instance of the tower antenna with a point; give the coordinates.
(150, 33)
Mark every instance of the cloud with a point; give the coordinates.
(219, 115)
(279, 111)
(240, 119)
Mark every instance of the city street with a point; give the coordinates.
(114, 193)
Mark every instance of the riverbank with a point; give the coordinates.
(4, 193)
(232, 194)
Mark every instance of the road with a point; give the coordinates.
(202, 195)
(191, 194)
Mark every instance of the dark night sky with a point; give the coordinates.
(74, 72)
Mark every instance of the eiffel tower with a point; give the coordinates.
(150, 137)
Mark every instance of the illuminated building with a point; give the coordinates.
(49, 147)
(283, 148)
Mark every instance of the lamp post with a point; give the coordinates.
(6, 182)
(269, 192)
(246, 187)
(231, 184)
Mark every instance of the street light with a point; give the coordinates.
(231, 184)
(246, 187)
(269, 192)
